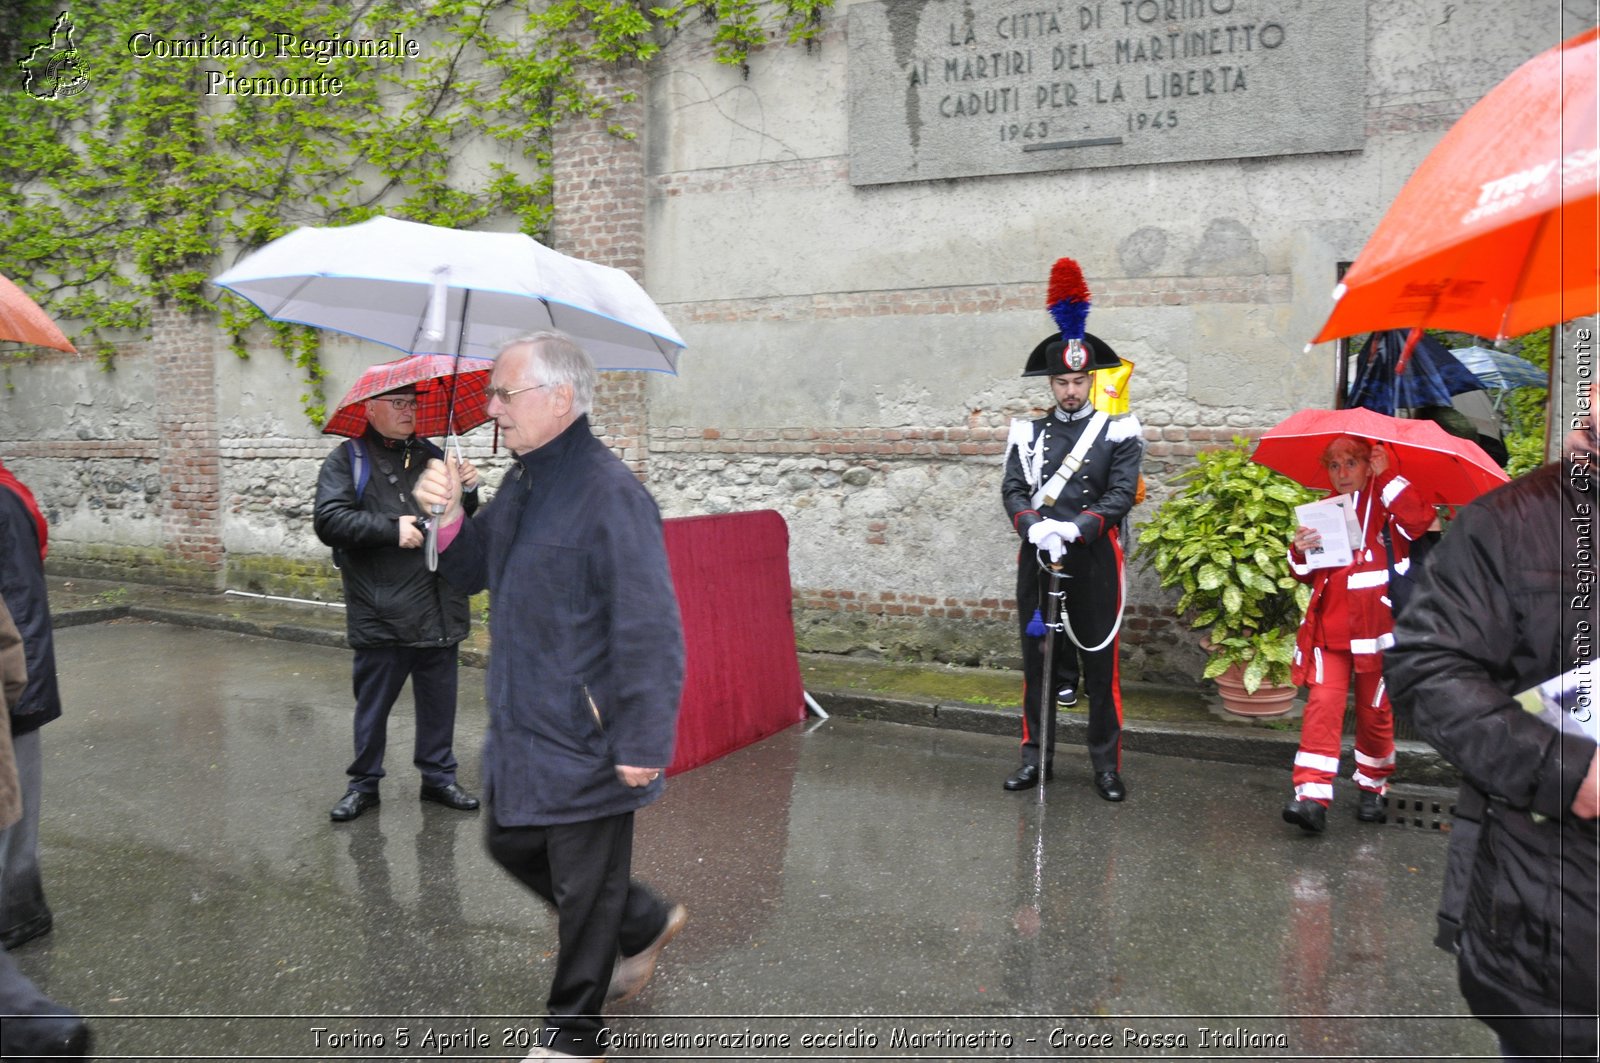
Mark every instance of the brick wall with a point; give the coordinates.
(600, 195)
(183, 353)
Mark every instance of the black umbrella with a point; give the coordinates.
(1431, 377)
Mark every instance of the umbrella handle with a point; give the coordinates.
(431, 538)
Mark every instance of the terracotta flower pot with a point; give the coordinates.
(1268, 700)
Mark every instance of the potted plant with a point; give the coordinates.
(1223, 540)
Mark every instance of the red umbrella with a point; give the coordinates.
(23, 320)
(1451, 470)
(431, 373)
(1495, 233)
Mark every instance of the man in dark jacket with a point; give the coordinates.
(1070, 479)
(24, 915)
(584, 678)
(401, 620)
(1507, 604)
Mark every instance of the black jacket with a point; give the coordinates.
(1098, 496)
(23, 588)
(391, 599)
(587, 663)
(1499, 610)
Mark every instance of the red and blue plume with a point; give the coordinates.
(1067, 299)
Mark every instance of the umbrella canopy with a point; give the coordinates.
(1445, 468)
(433, 376)
(25, 321)
(427, 289)
(1494, 234)
(1499, 370)
(1430, 379)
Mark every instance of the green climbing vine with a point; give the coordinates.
(148, 143)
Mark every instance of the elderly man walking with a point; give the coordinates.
(584, 677)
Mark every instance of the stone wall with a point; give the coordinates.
(854, 349)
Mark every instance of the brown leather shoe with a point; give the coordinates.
(632, 972)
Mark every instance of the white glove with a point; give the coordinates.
(1070, 532)
(1037, 533)
(1047, 535)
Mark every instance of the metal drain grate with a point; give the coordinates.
(1421, 807)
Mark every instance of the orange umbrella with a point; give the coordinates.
(23, 320)
(1495, 233)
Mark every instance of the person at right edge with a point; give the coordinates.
(1503, 623)
(1071, 477)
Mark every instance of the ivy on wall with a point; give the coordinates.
(132, 174)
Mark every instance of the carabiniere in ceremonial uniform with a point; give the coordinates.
(1070, 478)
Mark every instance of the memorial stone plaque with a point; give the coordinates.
(957, 88)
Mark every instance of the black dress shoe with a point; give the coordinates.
(452, 796)
(25, 1037)
(1372, 808)
(1307, 815)
(1110, 786)
(1027, 777)
(352, 804)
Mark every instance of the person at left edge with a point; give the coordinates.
(401, 620)
(24, 541)
(1083, 524)
(33, 1025)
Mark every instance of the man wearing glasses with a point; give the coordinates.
(583, 684)
(402, 620)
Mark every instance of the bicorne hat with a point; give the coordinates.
(1049, 357)
(1073, 349)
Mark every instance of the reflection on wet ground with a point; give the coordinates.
(856, 889)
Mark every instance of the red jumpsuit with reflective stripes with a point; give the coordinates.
(1347, 626)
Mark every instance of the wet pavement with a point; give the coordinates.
(857, 890)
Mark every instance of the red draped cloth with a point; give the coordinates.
(742, 679)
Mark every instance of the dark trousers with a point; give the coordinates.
(1091, 579)
(582, 870)
(19, 996)
(379, 673)
(22, 903)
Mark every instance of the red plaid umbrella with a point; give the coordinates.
(1448, 469)
(431, 374)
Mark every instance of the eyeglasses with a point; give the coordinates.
(401, 404)
(504, 394)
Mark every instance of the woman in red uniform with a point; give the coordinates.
(1347, 626)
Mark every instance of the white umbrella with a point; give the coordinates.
(427, 289)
